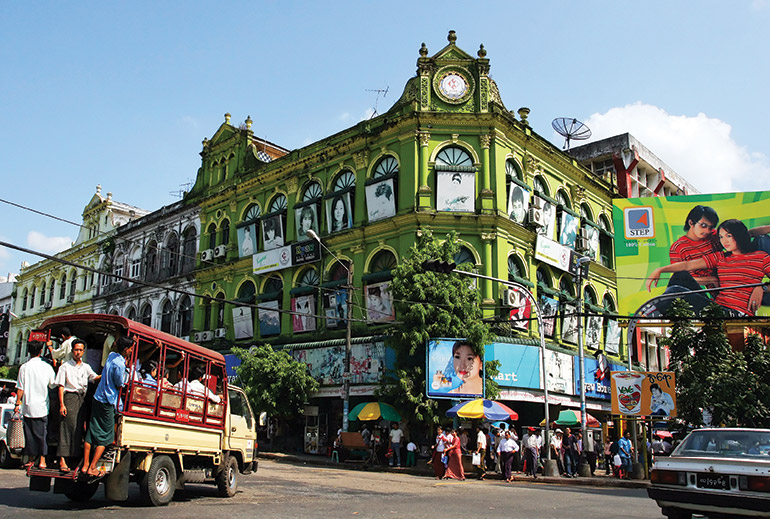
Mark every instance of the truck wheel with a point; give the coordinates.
(227, 479)
(158, 484)
(6, 461)
(676, 513)
(82, 492)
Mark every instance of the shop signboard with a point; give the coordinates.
(597, 385)
(650, 232)
(559, 368)
(271, 260)
(643, 393)
(557, 255)
(519, 364)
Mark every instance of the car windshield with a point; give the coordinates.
(726, 443)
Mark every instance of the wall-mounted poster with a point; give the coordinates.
(247, 239)
(243, 323)
(592, 234)
(379, 306)
(612, 337)
(568, 231)
(518, 203)
(304, 319)
(560, 372)
(335, 308)
(550, 308)
(594, 332)
(569, 323)
(324, 364)
(521, 310)
(549, 218)
(645, 393)
(272, 232)
(380, 200)
(454, 370)
(306, 218)
(455, 191)
(338, 212)
(269, 318)
(368, 362)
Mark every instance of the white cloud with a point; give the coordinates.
(699, 149)
(189, 122)
(48, 244)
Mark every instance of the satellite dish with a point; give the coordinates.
(571, 129)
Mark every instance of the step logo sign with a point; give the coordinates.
(639, 223)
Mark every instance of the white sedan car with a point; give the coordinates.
(715, 472)
(8, 458)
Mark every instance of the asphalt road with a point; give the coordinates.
(283, 491)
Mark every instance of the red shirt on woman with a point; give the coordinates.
(741, 269)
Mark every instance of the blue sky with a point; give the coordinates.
(122, 93)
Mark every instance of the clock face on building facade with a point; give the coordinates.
(453, 86)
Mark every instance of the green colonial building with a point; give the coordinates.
(447, 156)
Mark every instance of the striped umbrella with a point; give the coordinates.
(483, 408)
(368, 411)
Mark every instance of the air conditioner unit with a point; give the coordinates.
(220, 251)
(197, 336)
(585, 232)
(220, 333)
(48, 305)
(510, 299)
(207, 336)
(207, 255)
(537, 202)
(582, 244)
(71, 298)
(535, 217)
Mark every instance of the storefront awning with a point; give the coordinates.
(531, 395)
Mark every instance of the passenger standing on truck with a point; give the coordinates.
(63, 352)
(36, 377)
(73, 378)
(101, 428)
(196, 387)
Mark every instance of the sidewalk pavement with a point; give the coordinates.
(598, 480)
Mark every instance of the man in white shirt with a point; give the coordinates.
(556, 449)
(196, 387)
(506, 448)
(36, 377)
(63, 352)
(395, 444)
(481, 448)
(73, 378)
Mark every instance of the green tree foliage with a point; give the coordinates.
(431, 305)
(733, 386)
(11, 372)
(273, 381)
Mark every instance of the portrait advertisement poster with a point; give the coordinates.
(593, 332)
(594, 386)
(453, 370)
(269, 318)
(518, 203)
(569, 322)
(560, 372)
(335, 308)
(379, 306)
(326, 365)
(380, 200)
(247, 239)
(243, 322)
(519, 364)
(647, 229)
(592, 235)
(455, 191)
(549, 218)
(521, 311)
(304, 319)
(612, 337)
(339, 214)
(550, 308)
(272, 232)
(369, 361)
(305, 219)
(643, 393)
(568, 230)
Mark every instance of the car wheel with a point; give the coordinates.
(676, 513)
(158, 484)
(6, 461)
(227, 479)
(82, 492)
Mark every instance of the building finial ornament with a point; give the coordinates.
(248, 122)
(523, 114)
(423, 50)
(482, 51)
(98, 189)
(227, 118)
(452, 37)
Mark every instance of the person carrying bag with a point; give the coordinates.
(15, 432)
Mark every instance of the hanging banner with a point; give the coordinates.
(643, 393)
(380, 200)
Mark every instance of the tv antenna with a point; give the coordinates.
(570, 129)
(379, 91)
(183, 189)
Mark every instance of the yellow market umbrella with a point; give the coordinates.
(368, 411)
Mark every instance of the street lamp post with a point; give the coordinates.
(348, 333)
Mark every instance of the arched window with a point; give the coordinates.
(51, 291)
(566, 287)
(170, 256)
(563, 199)
(24, 300)
(386, 167)
(608, 304)
(312, 191)
(383, 261)
(136, 263)
(42, 294)
(339, 203)
(540, 186)
(381, 190)
(190, 238)
(32, 298)
(207, 314)
(516, 270)
(151, 261)
(117, 268)
(73, 284)
(543, 277)
(518, 193)
(63, 287)
(185, 316)
(589, 297)
(306, 213)
(605, 242)
(278, 204)
(455, 180)
(166, 316)
(220, 310)
(309, 278)
(225, 235)
(464, 255)
(270, 303)
(147, 314)
(131, 314)
(212, 234)
(253, 211)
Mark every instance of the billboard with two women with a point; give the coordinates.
(716, 244)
